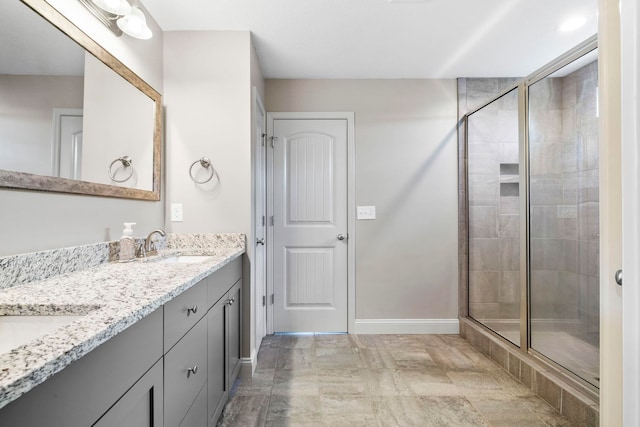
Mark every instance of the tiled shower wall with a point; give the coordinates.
(564, 204)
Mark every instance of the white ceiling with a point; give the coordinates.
(389, 39)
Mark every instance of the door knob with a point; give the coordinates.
(618, 277)
(341, 237)
(260, 241)
(192, 371)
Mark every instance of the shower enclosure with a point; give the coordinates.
(533, 215)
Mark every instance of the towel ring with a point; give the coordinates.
(206, 164)
(126, 162)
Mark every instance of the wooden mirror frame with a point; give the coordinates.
(28, 181)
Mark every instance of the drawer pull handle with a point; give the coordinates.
(193, 310)
(193, 370)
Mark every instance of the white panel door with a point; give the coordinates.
(310, 225)
(67, 143)
(71, 147)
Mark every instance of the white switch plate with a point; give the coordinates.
(366, 212)
(176, 212)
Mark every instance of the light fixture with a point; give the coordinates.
(119, 16)
(135, 24)
(117, 7)
(572, 24)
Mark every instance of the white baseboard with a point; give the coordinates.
(248, 366)
(407, 326)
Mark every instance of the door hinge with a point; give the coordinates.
(273, 141)
(273, 299)
(264, 220)
(264, 300)
(272, 221)
(264, 138)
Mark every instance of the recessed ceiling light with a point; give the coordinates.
(572, 24)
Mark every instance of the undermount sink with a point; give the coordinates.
(184, 259)
(19, 330)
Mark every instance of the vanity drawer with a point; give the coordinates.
(223, 279)
(185, 373)
(197, 415)
(184, 311)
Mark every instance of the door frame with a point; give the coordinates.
(351, 206)
(258, 107)
(630, 67)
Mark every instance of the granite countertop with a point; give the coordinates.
(109, 297)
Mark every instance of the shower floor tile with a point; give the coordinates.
(381, 380)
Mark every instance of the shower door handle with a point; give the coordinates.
(618, 277)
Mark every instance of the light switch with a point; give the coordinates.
(176, 212)
(366, 212)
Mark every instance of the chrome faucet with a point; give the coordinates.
(149, 244)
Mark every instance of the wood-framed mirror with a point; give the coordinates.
(73, 118)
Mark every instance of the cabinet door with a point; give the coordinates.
(216, 356)
(234, 324)
(140, 406)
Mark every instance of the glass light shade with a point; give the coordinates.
(117, 7)
(135, 24)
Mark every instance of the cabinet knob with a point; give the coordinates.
(231, 301)
(193, 370)
(193, 310)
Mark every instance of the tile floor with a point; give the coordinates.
(381, 380)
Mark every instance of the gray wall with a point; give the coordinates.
(208, 81)
(32, 221)
(405, 131)
(208, 106)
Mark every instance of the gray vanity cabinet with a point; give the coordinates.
(173, 368)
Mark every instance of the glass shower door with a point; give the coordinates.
(564, 217)
(494, 216)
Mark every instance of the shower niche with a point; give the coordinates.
(532, 201)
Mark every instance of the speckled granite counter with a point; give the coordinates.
(109, 296)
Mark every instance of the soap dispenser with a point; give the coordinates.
(127, 243)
